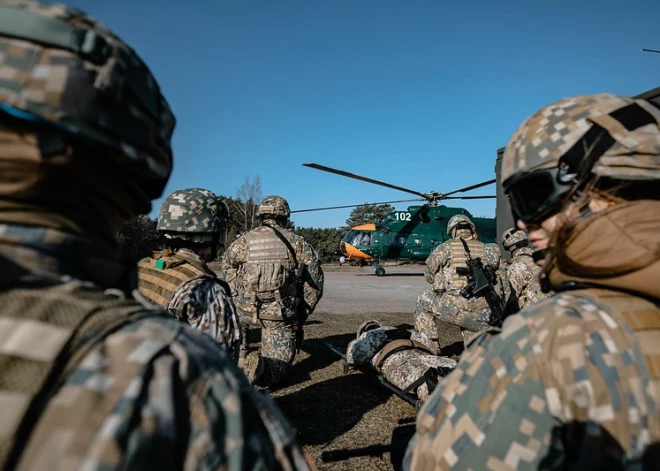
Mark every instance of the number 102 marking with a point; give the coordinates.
(403, 216)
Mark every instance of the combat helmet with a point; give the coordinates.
(514, 238)
(559, 149)
(457, 220)
(273, 206)
(69, 74)
(367, 326)
(194, 214)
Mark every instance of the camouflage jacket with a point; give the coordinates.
(523, 276)
(571, 382)
(235, 259)
(207, 305)
(440, 271)
(154, 393)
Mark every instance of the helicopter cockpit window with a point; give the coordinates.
(360, 239)
(366, 239)
(424, 217)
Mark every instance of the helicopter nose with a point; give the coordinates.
(354, 252)
(342, 248)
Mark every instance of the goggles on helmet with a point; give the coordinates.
(537, 195)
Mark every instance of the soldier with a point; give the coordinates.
(571, 382)
(522, 272)
(403, 359)
(90, 378)
(444, 301)
(276, 280)
(193, 223)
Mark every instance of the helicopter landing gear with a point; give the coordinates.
(380, 271)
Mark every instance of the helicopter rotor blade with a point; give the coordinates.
(481, 197)
(352, 206)
(468, 188)
(364, 179)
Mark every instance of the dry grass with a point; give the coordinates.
(333, 411)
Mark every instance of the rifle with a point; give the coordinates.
(301, 311)
(481, 281)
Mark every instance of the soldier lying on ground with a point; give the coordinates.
(401, 357)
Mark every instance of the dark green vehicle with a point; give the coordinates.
(410, 234)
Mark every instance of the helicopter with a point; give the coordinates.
(406, 235)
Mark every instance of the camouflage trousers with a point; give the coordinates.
(405, 367)
(278, 350)
(450, 307)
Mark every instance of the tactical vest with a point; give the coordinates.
(459, 259)
(46, 328)
(162, 275)
(268, 272)
(397, 346)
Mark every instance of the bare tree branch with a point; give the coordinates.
(248, 196)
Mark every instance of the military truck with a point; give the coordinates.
(503, 214)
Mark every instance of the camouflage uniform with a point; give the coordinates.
(573, 381)
(406, 363)
(179, 280)
(91, 378)
(522, 272)
(443, 302)
(259, 267)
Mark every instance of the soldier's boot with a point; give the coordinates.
(255, 368)
(243, 350)
(242, 356)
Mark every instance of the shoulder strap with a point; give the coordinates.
(286, 242)
(467, 249)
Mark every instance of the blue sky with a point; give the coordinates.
(417, 93)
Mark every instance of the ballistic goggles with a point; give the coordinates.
(537, 195)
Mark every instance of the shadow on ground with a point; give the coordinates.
(318, 357)
(329, 409)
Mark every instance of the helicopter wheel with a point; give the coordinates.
(380, 271)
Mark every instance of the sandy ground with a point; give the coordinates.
(333, 411)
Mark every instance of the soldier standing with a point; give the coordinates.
(573, 381)
(193, 223)
(90, 378)
(444, 270)
(522, 272)
(276, 280)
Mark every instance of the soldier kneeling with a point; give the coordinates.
(408, 361)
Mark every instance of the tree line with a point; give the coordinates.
(138, 238)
